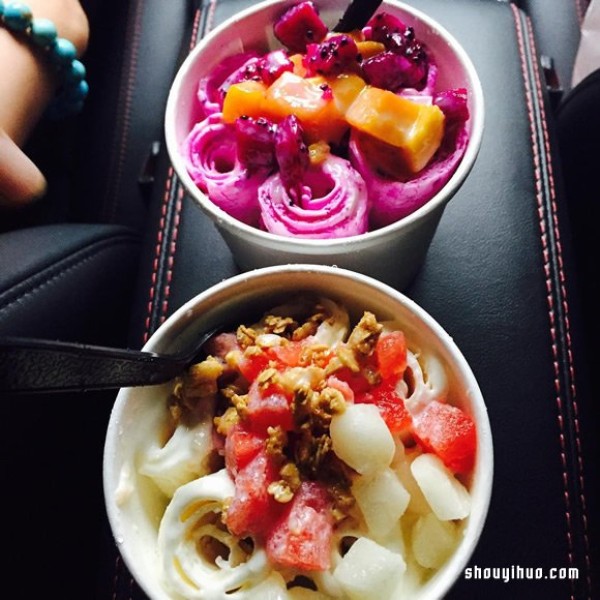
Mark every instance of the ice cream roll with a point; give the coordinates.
(211, 159)
(393, 199)
(333, 204)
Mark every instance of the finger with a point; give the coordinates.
(21, 182)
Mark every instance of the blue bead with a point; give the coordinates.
(62, 52)
(43, 32)
(77, 92)
(76, 72)
(1, 8)
(17, 16)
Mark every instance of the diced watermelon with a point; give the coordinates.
(448, 432)
(301, 538)
(357, 381)
(288, 354)
(391, 354)
(253, 511)
(390, 405)
(269, 407)
(251, 365)
(278, 357)
(241, 446)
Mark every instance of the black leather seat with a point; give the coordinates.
(500, 277)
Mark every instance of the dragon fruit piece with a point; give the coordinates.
(273, 64)
(255, 143)
(265, 68)
(300, 25)
(388, 70)
(210, 88)
(247, 70)
(291, 155)
(453, 104)
(331, 57)
(381, 26)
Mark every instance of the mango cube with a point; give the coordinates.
(416, 129)
(246, 98)
(309, 100)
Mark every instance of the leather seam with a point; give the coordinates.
(172, 183)
(565, 314)
(121, 139)
(82, 256)
(558, 288)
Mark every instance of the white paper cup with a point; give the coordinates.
(393, 253)
(133, 509)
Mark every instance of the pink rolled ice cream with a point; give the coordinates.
(394, 199)
(334, 203)
(210, 150)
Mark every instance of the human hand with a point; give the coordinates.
(21, 182)
(26, 87)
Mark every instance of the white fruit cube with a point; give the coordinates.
(368, 570)
(418, 504)
(447, 496)
(382, 500)
(361, 439)
(433, 541)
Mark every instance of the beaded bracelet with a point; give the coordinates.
(61, 54)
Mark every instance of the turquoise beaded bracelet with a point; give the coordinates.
(61, 54)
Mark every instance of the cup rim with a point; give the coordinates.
(187, 314)
(291, 243)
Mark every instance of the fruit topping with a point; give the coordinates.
(336, 54)
(415, 128)
(255, 140)
(300, 25)
(292, 155)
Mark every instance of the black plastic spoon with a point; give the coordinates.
(47, 366)
(357, 15)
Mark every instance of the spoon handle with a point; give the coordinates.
(38, 366)
(357, 15)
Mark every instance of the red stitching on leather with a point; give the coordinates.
(566, 312)
(551, 314)
(551, 307)
(171, 255)
(155, 262)
(178, 205)
(195, 27)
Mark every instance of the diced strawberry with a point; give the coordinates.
(449, 432)
(390, 405)
(253, 511)
(268, 407)
(391, 354)
(241, 446)
(301, 538)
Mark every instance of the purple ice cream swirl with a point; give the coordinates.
(333, 205)
(392, 199)
(210, 151)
